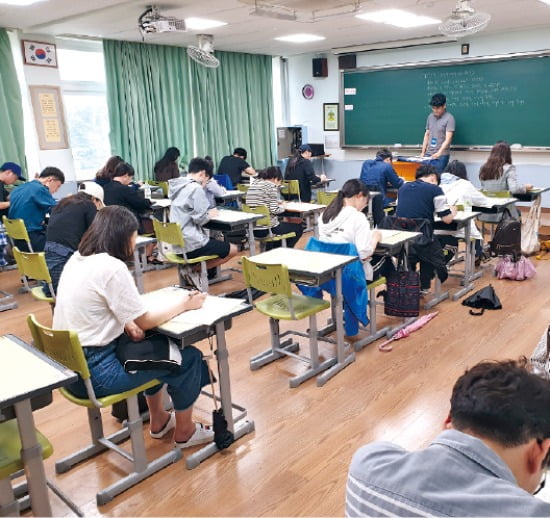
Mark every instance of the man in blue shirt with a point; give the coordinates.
(32, 201)
(489, 461)
(378, 174)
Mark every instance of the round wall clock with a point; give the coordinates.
(308, 92)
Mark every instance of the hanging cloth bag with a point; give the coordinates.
(530, 229)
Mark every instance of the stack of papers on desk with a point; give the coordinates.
(213, 309)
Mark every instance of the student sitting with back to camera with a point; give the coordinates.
(235, 166)
(264, 190)
(167, 167)
(212, 188)
(344, 222)
(379, 173)
(190, 208)
(490, 460)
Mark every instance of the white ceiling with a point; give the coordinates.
(116, 19)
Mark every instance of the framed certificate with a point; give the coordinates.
(330, 117)
(49, 117)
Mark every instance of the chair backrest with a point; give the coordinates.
(497, 194)
(243, 187)
(32, 264)
(262, 210)
(63, 346)
(290, 187)
(16, 229)
(169, 233)
(224, 180)
(324, 197)
(162, 185)
(271, 278)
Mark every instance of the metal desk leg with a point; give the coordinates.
(251, 240)
(469, 258)
(239, 428)
(316, 224)
(343, 360)
(31, 453)
(138, 269)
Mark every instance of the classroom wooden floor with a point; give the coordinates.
(296, 461)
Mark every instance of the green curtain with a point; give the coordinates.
(233, 107)
(12, 136)
(148, 95)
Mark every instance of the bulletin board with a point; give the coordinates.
(49, 117)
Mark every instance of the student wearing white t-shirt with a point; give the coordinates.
(343, 222)
(97, 298)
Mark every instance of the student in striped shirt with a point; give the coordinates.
(264, 190)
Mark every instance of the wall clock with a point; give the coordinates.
(308, 92)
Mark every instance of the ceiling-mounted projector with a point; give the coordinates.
(151, 21)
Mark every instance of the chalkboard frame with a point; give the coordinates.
(434, 63)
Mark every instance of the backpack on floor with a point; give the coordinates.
(507, 238)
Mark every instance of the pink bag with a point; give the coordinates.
(518, 270)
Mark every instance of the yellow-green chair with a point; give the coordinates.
(16, 229)
(325, 197)
(170, 234)
(243, 187)
(11, 467)
(283, 304)
(266, 222)
(291, 188)
(32, 265)
(497, 194)
(492, 219)
(64, 347)
(162, 185)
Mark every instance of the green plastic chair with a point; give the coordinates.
(325, 197)
(490, 219)
(291, 188)
(16, 229)
(33, 266)
(283, 304)
(243, 187)
(64, 347)
(266, 222)
(497, 194)
(170, 234)
(162, 185)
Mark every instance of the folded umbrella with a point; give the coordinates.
(407, 330)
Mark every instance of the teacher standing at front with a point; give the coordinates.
(440, 128)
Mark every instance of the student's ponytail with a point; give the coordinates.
(350, 189)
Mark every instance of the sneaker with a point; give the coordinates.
(424, 293)
(203, 434)
(170, 425)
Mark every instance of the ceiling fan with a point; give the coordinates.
(203, 53)
(464, 20)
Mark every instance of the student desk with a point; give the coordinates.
(304, 210)
(531, 195)
(462, 220)
(314, 268)
(140, 259)
(323, 184)
(27, 373)
(232, 195)
(497, 205)
(228, 220)
(192, 326)
(164, 206)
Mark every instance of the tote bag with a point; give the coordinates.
(530, 230)
(402, 295)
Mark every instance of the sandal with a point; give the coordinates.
(153, 260)
(170, 425)
(203, 434)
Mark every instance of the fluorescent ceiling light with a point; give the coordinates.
(199, 24)
(300, 38)
(21, 3)
(398, 17)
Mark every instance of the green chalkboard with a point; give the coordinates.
(493, 100)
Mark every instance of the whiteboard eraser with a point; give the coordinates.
(398, 145)
(516, 146)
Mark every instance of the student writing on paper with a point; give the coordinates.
(167, 167)
(440, 127)
(264, 191)
(300, 168)
(105, 174)
(98, 298)
(235, 166)
(379, 174)
(344, 222)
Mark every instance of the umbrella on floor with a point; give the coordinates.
(407, 330)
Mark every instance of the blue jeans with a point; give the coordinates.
(109, 377)
(440, 163)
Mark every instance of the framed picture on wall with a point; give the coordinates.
(49, 117)
(39, 53)
(330, 117)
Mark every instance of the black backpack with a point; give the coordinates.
(507, 238)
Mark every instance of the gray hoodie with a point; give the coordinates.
(190, 209)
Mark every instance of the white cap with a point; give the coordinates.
(93, 189)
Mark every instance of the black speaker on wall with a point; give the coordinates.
(346, 61)
(320, 67)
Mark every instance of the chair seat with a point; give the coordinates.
(277, 307)
(378, 282)
(38, 293)
(275, 237)
(107, 400)
(10, 448)
(175, 258)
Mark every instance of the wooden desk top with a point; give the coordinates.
(26, 372)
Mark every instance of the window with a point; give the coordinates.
(82, 73)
